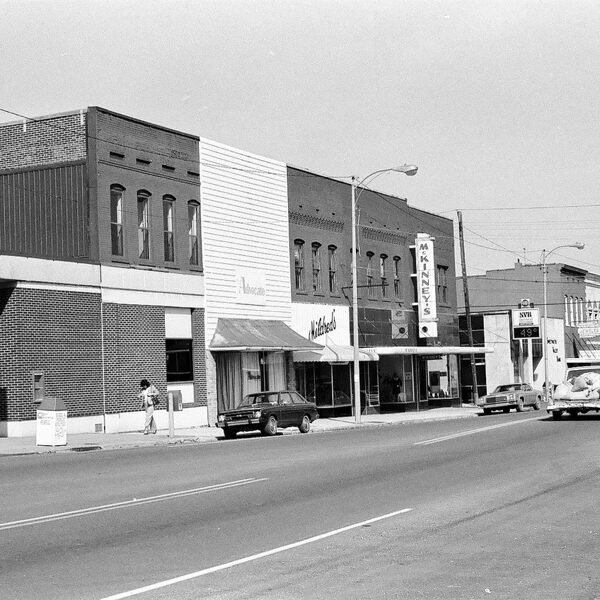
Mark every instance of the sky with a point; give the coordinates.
(497, 102)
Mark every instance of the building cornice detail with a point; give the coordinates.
(316, 222)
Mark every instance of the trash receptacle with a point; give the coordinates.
(51, 425)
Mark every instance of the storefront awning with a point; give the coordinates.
(335, 354)
(429, 350)
(254, 335)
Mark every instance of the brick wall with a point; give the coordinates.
(199, 357)
(45, 141)
(56, 333)
(135, 350)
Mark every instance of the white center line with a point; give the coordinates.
(471, 432)
(127, 503)
(241, 561)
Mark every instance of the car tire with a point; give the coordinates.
(304, 426)
(487, 411)
(573, 413)
(557, 415)
(537, 404)
(506, 409)
(271, 426)
(519, 404)
(229, 433)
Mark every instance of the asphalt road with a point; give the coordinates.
(496, 507)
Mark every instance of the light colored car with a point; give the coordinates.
(511, 395)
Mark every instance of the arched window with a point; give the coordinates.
(194, 232)
(299, 265)
(168, 233)
(143, 214)
(370, 285)
(332, 260)
(383, 275)
(396, 260)
(316, 267)
(116, 219)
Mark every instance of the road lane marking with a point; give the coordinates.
(471, 432)
(253, 557)
(127, 503)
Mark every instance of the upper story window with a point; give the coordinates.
(382, 273)
(316, 267)
(116, 219)
(396, 263)
(169, 245)
(143, 209)
(332, 258)
(442, 284)
(194, 232)
(370, 285)
(299, 265)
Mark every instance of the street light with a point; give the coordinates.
(409, 170)
(545, 255)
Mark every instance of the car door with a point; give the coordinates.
(528, 394)
(289, 411)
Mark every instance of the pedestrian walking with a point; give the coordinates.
(397, 387)
(149, 397)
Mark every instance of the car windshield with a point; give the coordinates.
(506, 388)
(254, 399)
(572, 373)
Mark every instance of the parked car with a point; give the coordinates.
(266, 411)
(511, 395)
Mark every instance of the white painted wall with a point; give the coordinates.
(245, 231)
(498, 365)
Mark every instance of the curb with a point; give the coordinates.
(195, 440)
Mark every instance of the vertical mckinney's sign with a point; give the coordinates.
(426, 290)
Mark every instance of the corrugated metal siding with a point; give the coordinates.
(244, 225)
(44, 213)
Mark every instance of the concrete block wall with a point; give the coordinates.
(45, 141)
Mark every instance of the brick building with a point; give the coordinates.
(406, 362)
(101, 271)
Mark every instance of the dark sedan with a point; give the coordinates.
(266, 411)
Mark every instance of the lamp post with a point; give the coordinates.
(409, 170)
(545, 255)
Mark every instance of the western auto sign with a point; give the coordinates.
(426, 286)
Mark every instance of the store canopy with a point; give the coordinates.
(335, 354)
(429, 350)
(254, 335)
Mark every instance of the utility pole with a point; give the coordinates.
(467, 305)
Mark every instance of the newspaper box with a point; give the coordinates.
(51, 426)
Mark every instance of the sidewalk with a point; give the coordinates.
(201, 435)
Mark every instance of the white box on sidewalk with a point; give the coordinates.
(51, 425)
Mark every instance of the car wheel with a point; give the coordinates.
(557, 415)
(537, 404)
(506, 409)
(304, 427)
(229, 433)
(271, 427)
(519, 404)
(487, 411)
